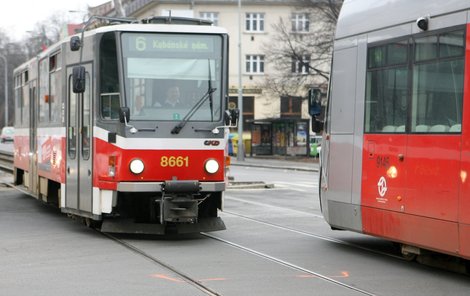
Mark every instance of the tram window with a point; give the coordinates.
(437, 96)
(55, 100)
(386, 100)
(19, 100)
(43, 90)
(110, 106)
(452, 44)
(86, 119)
(377, 57)
(72, 122)
(397, 53)
(426, 48)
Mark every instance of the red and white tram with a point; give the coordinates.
(127, 125)
(396, 153)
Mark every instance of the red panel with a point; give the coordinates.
(464, 235)
(433, 164)
(433, 234)
(464, 208)
(21, 152)
(51, 158)
(190, 166)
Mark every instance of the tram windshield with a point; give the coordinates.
(167, 74)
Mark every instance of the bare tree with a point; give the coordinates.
(118, 8)
(45, 33)
(301, 58)
(14, 56)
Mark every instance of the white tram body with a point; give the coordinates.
(396, 151)
(107, 147)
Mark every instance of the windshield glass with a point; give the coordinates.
(167, 74)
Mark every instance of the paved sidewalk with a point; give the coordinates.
(278, 162)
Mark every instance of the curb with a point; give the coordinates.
(249, 185)
(275, 167)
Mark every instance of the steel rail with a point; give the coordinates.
(318, 236)
(287, 264)
(183, 276)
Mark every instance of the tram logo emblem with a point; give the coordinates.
(382, 186)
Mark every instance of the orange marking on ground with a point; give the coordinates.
(165, 277)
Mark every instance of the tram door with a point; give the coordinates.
(79, 163)
(33, 160)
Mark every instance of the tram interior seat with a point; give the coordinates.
(421, 128)
(456, 128)
(439, 128)
(400, 129)
(388, 129)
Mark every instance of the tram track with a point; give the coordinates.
(184, 277)
(317, 236)
(208, 291)
(288, 264)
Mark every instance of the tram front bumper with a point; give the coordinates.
(157, 186)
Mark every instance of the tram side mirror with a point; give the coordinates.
(231, 117)
(227, 117)
(75, 43)
(78, 75)
(317, 125)
(124, 114)
(314, 102)
(235, 115)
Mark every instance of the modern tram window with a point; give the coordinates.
(387, 88)
(430, 101)
(437, 90)
(19, 100)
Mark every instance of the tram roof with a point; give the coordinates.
(362, 16)
(156, 28)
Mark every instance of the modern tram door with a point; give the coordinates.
(78, 190)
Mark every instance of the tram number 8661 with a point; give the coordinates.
(174, 161)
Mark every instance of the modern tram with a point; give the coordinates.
(126, 125)
(395, 157)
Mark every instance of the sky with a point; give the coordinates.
(19, 16)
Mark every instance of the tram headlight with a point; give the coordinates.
(136, 166)
(211, 166)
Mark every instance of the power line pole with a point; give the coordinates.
(241, 150)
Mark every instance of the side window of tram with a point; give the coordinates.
(387, 88)
(437, 93)
(72, 122)
(86, 119)
(44, 90)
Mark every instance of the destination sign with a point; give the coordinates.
(170, 43)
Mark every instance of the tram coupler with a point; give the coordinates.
(178, 203)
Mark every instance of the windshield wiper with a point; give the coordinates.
(193, 110)
(208, 94)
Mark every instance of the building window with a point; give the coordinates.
(255, 22)
(254, 64)
(300, 22)
(291, 107)
(210, 16)
(301, 64)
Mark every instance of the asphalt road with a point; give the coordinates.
(276, 243)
